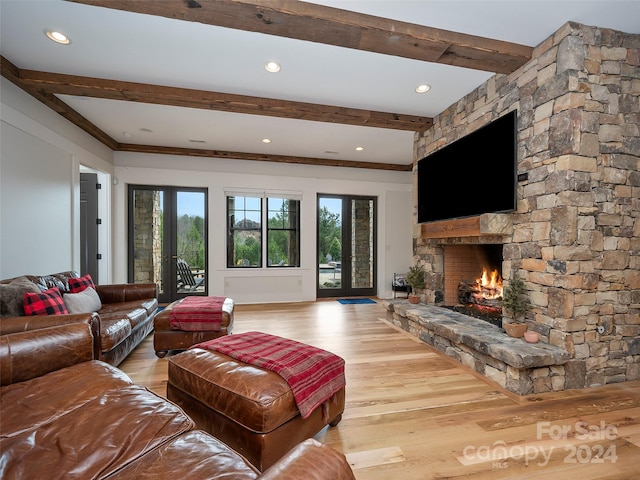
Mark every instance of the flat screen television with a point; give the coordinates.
(476, 174)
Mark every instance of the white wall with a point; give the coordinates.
(392, 189)
(36, 213)
(40, 158)
(399, 237)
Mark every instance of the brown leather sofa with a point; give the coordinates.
(67, 416)
(125, 319)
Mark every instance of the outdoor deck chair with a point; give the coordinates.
(187, 280)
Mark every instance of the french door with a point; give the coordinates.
(168, 239)
(346, 246)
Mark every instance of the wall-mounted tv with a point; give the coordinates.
(476, 174)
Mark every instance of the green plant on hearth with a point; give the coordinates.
(415, 278)
(515, 301)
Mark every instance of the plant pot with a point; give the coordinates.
(515, 330)
(414, 299)
(531, 336)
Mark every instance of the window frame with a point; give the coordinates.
(232, 229)
(293, 229)
(264, 231)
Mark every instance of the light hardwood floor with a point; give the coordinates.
(413, 413)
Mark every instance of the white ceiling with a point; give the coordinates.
(118, 45)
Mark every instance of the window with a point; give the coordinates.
(244, 227)
(244, 230)
(283, 232)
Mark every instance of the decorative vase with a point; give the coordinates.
(414, 299)
(531, 336)
(515, 330)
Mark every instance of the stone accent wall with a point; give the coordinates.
(147, 238)
(576, 232)
(362, 243)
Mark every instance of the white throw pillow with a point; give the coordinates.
(86, 301)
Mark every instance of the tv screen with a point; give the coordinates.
(471, 176)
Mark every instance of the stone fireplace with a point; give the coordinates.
(575, 237)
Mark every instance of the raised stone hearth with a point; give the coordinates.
(514, 364)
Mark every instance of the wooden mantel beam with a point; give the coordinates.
(56, 83)
(481, 225)
(334, 26)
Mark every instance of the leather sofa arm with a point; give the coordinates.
(126, 292)
(33, 353)
(310, 460)
(29, 323)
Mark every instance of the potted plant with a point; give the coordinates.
(415, 279)
(516, 303)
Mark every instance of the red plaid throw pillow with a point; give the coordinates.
(49, 302)
(77, 285)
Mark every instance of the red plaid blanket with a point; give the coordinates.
(314, 375)
(196, 314)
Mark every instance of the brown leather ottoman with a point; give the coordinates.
(250, 409)
(165, 338)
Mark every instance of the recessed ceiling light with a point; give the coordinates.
(127, 135)
(359, 149)
(266, 140)
(272, 67)
(424, 88)
(57, 37)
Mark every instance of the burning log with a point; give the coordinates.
(471, 292)
(485, 291)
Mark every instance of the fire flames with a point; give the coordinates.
(484, 292)
(490, 285)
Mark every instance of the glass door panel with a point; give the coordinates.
(362, 243)
(329, 245)
(146, 237)
(346, 246)
(167, 240)
(190, 271)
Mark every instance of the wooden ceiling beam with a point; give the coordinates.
(260, 157)
(342, 28)
(55, 83)
(12, 73)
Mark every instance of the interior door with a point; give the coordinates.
(346, 246)
(167, 239)
(89, 224)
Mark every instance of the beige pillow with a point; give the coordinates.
(86, 301)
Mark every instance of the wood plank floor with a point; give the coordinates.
(413, 413)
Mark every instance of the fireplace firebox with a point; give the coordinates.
(466, 266)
